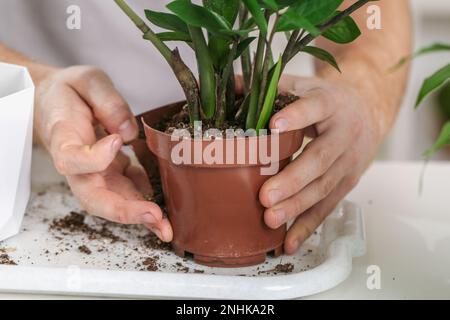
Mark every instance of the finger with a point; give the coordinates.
(314, 161)
(71, 156)
(309, 196)
(104, 203)
(163, 230)
(107, 104)
(140, 179)
(308, 222)
(310, 109)
(298, 85)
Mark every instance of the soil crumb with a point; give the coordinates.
(284, 268)
(84, 249)
(151, 263)
(74, 223)
(6, 260)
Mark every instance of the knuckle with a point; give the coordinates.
(90, 71)
(61, 164)
(298, 206)
(326, 185)
(120, 214)
(296, 183)
(322, 157)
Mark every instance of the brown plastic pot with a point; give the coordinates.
(214, 209)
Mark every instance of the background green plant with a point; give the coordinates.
(221, 31)
(438, 80)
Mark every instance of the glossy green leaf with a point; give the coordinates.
(166, 21)
(243, 45)
(433, 82)
(228, 9)
(255, 9)
(345, 31)
(174, 36)
(323, 55)
(198, 16)
(291, 21)
(316, 11)
(442, 141)
(272, 91)
(270, 4)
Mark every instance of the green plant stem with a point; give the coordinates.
(206, 72)
(222, 90)
(265, 70)
(300, 45)
(295, 36)
(246, 61)
(256, 82)
(184, 75)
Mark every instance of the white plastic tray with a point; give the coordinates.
(51, 263)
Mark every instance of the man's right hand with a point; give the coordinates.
(69, 105)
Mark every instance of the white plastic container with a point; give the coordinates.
(16, 138)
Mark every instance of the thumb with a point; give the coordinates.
(71, 157)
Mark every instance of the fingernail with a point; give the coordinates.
(127, 130)
(274, 196)
(280, 216)
(148, 218)
(116, 145)
(281, 124)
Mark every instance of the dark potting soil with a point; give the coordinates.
(84, 249)
(181, 119)
(74, 223)
(6, 260)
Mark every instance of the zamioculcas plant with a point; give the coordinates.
(213, 206)
(432, 83)
(221, 31)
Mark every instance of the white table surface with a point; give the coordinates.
(408, 235)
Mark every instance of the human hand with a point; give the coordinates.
(69, 105)
(346, 141)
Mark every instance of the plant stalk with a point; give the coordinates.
(206, 72)
(246, 61)
(184, 75)
(222, 90)
(265, 71)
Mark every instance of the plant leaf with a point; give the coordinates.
(323, 55)
(316, 11)
(198, 16)
(271, 4)
(166, 21)
(442, 141)
(258, 15)
(436, 47)
(345, 31)
(243, 45)
(228, 9)
(267, 109)
(174, 36)
(433, 82)
(291, 21)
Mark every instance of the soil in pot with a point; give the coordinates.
(213, 206)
